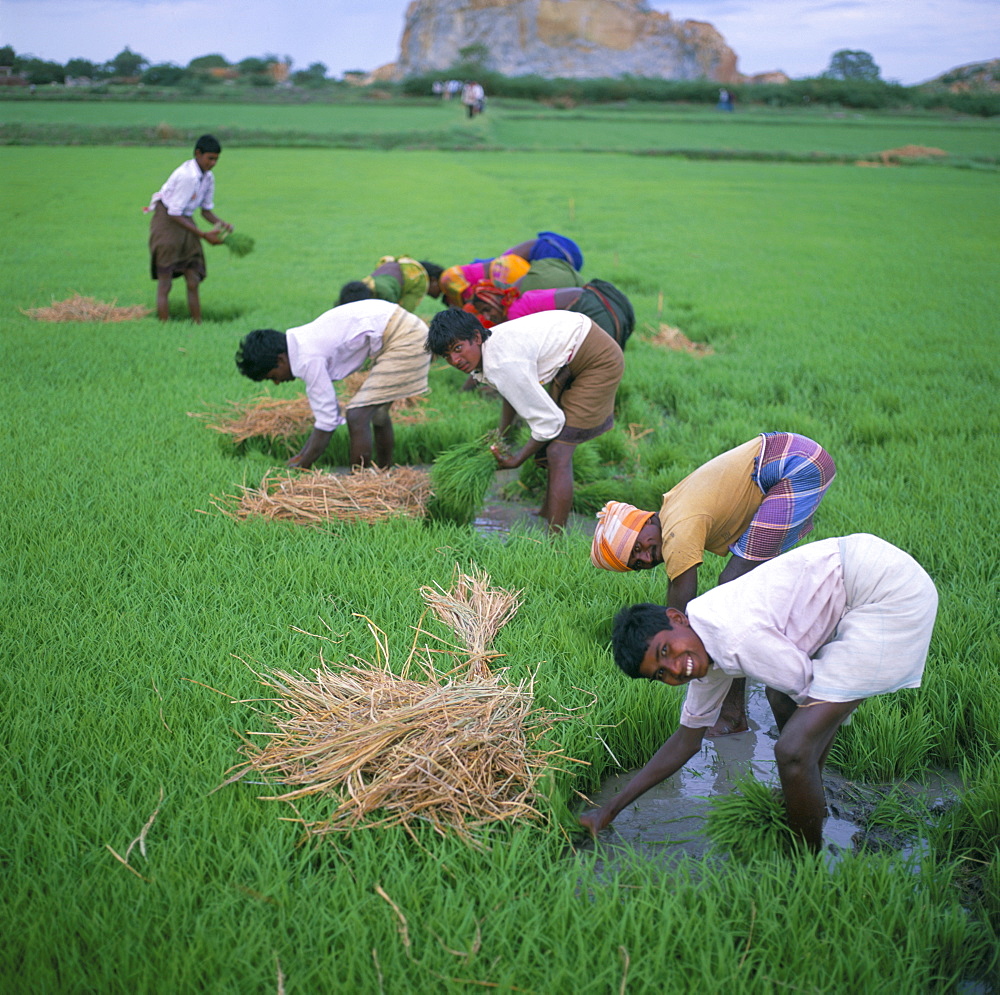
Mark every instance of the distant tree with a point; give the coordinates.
(127, 63)
(82, 67)
(474, 56)
(252, 66)
(8, 57)
(40, 71)
(213, 61)
(164, 74)
(852, 64)
(315, 75)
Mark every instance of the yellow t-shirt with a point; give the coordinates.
(710, 508)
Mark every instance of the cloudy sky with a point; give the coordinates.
(910, 40)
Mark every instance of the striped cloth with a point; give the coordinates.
(793, 473)
(399, 368)
(618, 526)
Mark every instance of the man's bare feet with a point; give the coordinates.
(733, 716)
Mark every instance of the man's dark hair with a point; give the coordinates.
(634, 626)
(433, 270)
(259, 351)
(453, 325)
(355, 290)
(207, 143)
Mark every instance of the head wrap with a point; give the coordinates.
(618, 526)
(453, 284)
(488, 293)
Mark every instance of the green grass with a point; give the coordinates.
(857, 306)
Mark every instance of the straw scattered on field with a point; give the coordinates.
(475, 612)
(453, 750)
(668, 337)
(283, 419)
(77, 308)
(312, 497)
(893, 157)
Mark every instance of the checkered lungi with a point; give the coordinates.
(793, 473)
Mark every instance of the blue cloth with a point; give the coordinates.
(553, 246)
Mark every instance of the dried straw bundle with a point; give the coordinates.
(395, 751)
(674, 338)
(77, 308)
(312, 497)
(284, 419)
(271, 417)
(475, 612)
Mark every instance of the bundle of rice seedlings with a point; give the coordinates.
(673, 338)
(750, 821)
(394, 751)
(77, 308)
(475, 612)
(238, 244)
(460, 478)
(312, 497)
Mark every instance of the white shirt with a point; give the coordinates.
(522, 355)
(187, 188)
(766, 626)
(334, 345)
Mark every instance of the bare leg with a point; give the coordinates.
(360, 422)
(559, 490)
(801, 751)
(385, 436)
(733, 717)
(194, 303)
(163, 284)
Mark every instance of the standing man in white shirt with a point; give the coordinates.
(823, 627)
(174, 238)
(558, 370)
(336, 344)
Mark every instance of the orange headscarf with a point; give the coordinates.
(618, 527)
(487, 292)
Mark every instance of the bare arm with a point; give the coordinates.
(185, 222)
(667, 760)
(682, 589)
(314, 448)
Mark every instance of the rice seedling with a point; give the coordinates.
(312, 497)
(750, 821)
(238, 244)
(460, 478)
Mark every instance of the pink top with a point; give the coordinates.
(532, 301)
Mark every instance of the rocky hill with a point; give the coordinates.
(975, 77)
(569, 38)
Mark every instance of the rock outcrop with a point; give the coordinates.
(568, 38)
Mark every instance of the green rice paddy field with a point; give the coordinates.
(855, 305)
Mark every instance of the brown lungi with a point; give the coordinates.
(173, 250)
(585, 388)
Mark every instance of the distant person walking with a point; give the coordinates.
(473, 97)
(174, 238)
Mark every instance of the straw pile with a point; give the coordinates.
(77, 308)
(456, 750)
(268, 417)
(475, 612)
(284, 419)
(395, 751)
(673, 338)
(311, 497)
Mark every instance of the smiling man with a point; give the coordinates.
(823, 628)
